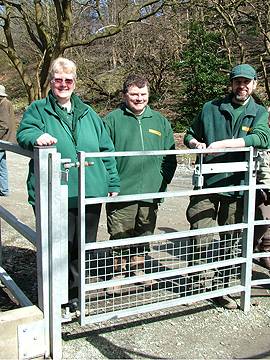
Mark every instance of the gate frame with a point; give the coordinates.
(49, 239)
(50, 236)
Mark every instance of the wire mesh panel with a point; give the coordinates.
(118, 278)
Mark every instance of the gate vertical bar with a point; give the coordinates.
(81, 211)
(247, 239)
(42, 226)
(64, 242)
(58, 259)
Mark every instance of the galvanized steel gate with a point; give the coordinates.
(167, 280)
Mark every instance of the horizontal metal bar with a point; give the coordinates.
(19, 226)
(260, 282)
(163, 236)
(14, 289)
(262, 222)
(147, 196)
(161, 305)
(8, 146)
(165, 274)
(164, 152)
(257, 255)
(261, 186)
(222, 167)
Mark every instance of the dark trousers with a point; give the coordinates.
(262, 232)
(92, 215)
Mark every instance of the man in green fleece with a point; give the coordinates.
(134, 126)
(235, 121)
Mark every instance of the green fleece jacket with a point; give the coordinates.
(214, 123)
(150, 131)
(88, 135)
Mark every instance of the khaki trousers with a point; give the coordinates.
(131, 219)
(209, 211)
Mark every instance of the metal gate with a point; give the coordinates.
(167, 279)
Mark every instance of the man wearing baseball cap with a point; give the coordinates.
(232, 122)
(7, 133)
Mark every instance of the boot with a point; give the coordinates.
(137, 267)
(119, 269)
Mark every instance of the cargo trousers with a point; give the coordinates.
(212, 210)
(131, 219)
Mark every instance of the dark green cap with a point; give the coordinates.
(243, 70)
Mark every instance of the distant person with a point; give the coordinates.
(134, 126)
(233, 122)
(63, 120)
(7, 133)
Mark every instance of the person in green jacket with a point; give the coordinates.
(134, 126)
(233, 122)
(63, 120)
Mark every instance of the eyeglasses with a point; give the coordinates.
(59, 81)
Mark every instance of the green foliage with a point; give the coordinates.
(203, 71)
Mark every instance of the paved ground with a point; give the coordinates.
(198, 331)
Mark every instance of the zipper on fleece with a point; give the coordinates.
(141, 134)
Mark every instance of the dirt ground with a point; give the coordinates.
(197, 331)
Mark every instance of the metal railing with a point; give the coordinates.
(50, 241)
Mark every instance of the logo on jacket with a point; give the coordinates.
(156, 132)
(247, 129)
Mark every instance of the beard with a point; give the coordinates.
(241, 98)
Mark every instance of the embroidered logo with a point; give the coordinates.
(156, 132)
(247, 129)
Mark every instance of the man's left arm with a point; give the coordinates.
(260, 134)
(227, 143)
(259, 137)
(169, 162)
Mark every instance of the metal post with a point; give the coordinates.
(81, 235)
(42, 227)
(247, 239)
(58, 244)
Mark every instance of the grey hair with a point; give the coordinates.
(62, 64)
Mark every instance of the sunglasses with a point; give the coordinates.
(58, 81)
